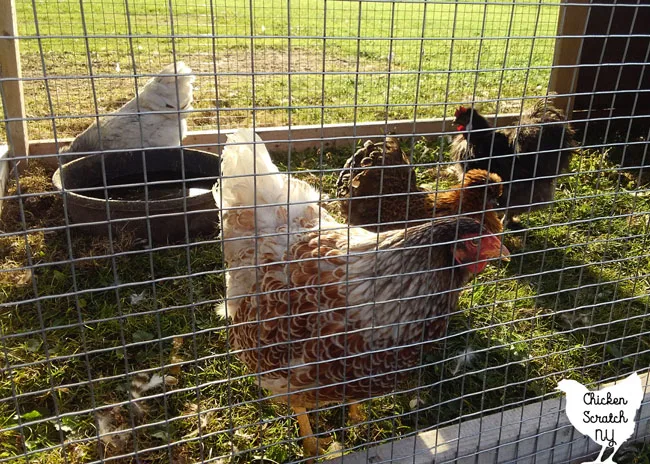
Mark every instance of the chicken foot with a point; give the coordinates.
(512, 222)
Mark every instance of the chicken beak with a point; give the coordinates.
(504, 254)
(497, 251)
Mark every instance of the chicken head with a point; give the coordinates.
(462, 118)
(474, 251)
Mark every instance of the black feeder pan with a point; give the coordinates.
(122, 199)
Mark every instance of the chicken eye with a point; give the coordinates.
(475, 241)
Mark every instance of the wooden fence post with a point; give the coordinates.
(14, 100)
(571, 22)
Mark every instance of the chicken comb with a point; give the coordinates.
(460, 110)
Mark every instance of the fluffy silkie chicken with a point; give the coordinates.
(151, 119)
(380, 173)
(324, 313)
(528, 157)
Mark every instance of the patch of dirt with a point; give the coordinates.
(41, 205)
(302, 60)
(76, 97)
(33, 222)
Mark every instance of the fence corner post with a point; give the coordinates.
(572, 23)
(12, 85)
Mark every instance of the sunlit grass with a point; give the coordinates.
(380, 60)
(571, 303)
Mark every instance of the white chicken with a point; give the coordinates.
(325, 313)
(606, 416)
(151, 119)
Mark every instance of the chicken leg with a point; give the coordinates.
(355, 413)
(310, 443)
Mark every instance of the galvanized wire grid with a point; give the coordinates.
(111, 346)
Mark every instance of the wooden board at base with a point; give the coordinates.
(535, 433)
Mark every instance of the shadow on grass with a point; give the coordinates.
(570, 304)
(82, 316)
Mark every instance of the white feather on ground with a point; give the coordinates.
(160, 122)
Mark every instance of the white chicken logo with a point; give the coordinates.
(606, 416)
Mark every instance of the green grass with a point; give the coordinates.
(448, 68)
(572, 303)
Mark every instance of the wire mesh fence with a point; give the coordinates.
(118, 266)
(283, 52)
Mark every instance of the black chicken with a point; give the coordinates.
(528, 157)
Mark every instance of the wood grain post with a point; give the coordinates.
(571, 26)
(12, 89)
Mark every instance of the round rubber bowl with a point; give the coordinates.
(176, 202)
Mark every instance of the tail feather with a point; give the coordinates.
(251, 179)
(634, 386)
(544, 110)
(249, 176)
